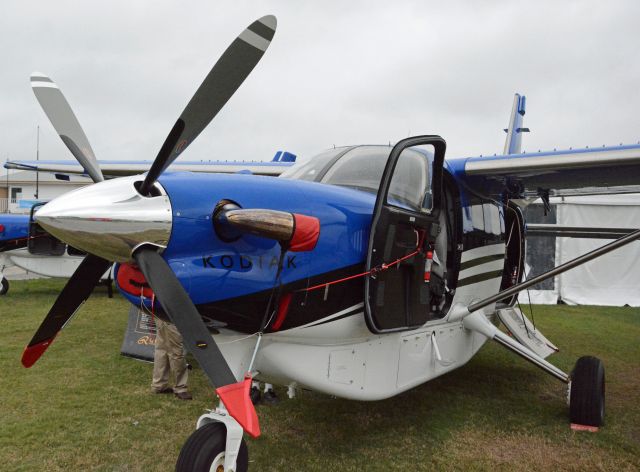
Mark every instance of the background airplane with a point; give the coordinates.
(14, 232)
(281, 161)
(24, 244)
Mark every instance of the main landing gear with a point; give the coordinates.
(586, 382)
(586, 397)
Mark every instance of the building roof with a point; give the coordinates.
(29, 178)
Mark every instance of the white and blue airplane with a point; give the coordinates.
(362, 273)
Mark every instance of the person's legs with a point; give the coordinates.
(161, 367)
(177, 360)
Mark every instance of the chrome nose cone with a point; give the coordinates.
(109, 219)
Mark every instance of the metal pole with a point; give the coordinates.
(37, 159)
(576, 231)
(556, 270)
(8, 190)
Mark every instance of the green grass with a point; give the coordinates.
(85, 407)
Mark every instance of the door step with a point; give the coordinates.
(523, 330)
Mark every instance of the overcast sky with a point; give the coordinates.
(337, 72)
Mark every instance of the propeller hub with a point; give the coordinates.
(109, 219)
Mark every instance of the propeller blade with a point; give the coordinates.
(74, 294)
(197, 339)
(65, 123)
(225, 78)
(178, 306)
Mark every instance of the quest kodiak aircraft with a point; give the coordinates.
(362, 273)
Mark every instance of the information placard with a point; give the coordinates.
(140, 336)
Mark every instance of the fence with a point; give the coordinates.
(14, 205)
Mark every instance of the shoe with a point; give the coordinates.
(164, 390)
(255, 395)
(270, 397)
(184, 395)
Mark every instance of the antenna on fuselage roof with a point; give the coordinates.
(513, 143)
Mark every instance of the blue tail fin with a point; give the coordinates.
(513, 142)
(285, 156)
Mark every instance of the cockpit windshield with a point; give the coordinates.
(361, 168)
(314, 168)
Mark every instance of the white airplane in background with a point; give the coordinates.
(25, 245)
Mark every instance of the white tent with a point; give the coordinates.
(613, 279)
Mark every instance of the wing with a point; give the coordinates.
(605, 170)
(124, 168)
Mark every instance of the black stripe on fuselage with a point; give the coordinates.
(474, 279)
(245, 313)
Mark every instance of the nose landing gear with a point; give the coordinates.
(216, 445)
(204, 451)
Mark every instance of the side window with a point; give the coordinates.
(411, 183)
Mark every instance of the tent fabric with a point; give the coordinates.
(538, 297)
(610, 280)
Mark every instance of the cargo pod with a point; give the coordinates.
(404, 228)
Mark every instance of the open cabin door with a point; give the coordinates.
(403, 233)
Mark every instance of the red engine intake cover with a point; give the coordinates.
(132, 281)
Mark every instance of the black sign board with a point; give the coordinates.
(140, 336)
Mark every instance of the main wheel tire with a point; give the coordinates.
(204, 451)
(4, 288)
(586, 403)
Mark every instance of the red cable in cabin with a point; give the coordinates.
(375, 270)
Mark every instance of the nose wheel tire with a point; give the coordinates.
(586, 402)
(204, 451)
(4, 288)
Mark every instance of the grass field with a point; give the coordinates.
(84, 407)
